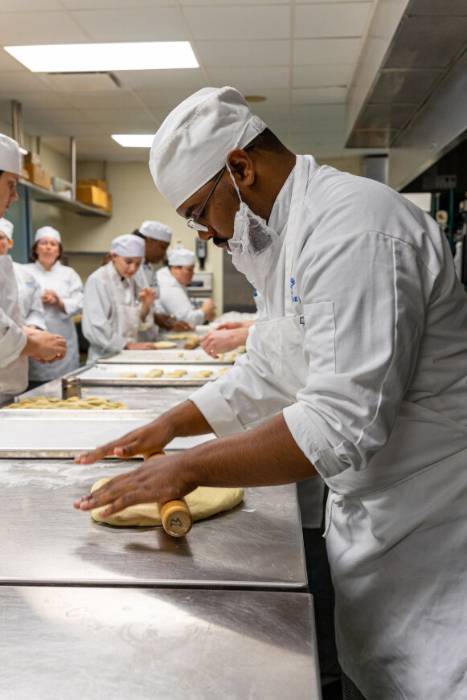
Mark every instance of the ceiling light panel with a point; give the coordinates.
(79, 58)
(134, 140)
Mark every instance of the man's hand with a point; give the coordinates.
(230, 325)
(223, 340)
(51, 298)
(44, 346)
(184, 419)
(146, 441)
(161, 478)
(139, 346)
(147, 297)
(170, 323)
(209, 309)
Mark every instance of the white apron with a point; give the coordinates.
(57, 322)
(397, 552)
(126, 306)
(14, 377)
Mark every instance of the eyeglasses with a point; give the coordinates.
(193, 221)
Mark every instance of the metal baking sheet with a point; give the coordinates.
(45, 541)
(105, 374)
(101, 643)
(178, 356)
(35, 434)
(156, 399)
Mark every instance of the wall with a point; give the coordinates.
(135, 199)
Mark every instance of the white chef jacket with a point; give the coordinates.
(29, 295)
(174, 300)
(146, 276)
(13, 365)
(111, 312)
(370, 373)
(67, 284)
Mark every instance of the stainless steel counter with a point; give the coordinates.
(44, 540)
(107, 644)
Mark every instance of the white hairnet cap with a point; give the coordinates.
(7, 228)
(156, 230)
(192, 143)
(181, 257)
(128, 246)
(10, 155)
(47, 232)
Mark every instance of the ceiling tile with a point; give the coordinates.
(319, 95)
(191, 78)
(13, 82)
(114, 99)
(28, 5)
(331, 19)
(42, 100)
(115, 4)
(145, 24)
(242, 53)
(322, 76)
(251, 79)
(197, 3)
(163, 100)
(249, 22)
(38, 28)
(324, 51)
(61, 116)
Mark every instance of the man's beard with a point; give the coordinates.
(220, 242)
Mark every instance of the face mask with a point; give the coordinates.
(254, 244)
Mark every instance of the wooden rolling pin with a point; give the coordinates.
(175, 515)
(176, 518)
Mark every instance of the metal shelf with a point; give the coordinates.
(40, 194)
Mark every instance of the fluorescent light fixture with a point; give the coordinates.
(82, 58)
(134, 140)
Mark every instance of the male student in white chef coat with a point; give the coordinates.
(357, 376)
(17, 342)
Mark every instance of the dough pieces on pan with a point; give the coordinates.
(202, 374)
(128, 375)
(164, 345)
(73, 403)
(176, 373)
(154, 373)
(203, 502)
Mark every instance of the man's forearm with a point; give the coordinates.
(185, 420)
(266, 455)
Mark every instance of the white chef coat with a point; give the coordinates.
(65, 282)
(370, 373)
(174, 299)
(111, 312)
(13, 365)
(146, 276)
(29, 295)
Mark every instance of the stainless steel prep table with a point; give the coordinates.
(156, 399)
(137, 375)
(102, 644)
(64, 433)
(45, 541)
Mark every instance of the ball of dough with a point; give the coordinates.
(203, 502)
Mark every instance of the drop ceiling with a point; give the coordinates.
(300, 55)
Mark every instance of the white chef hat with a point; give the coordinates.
(10, 155)
(128, 246)
(47, 232)
(156, 230)
(181, 256)
(193, 142)
(6, 227)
